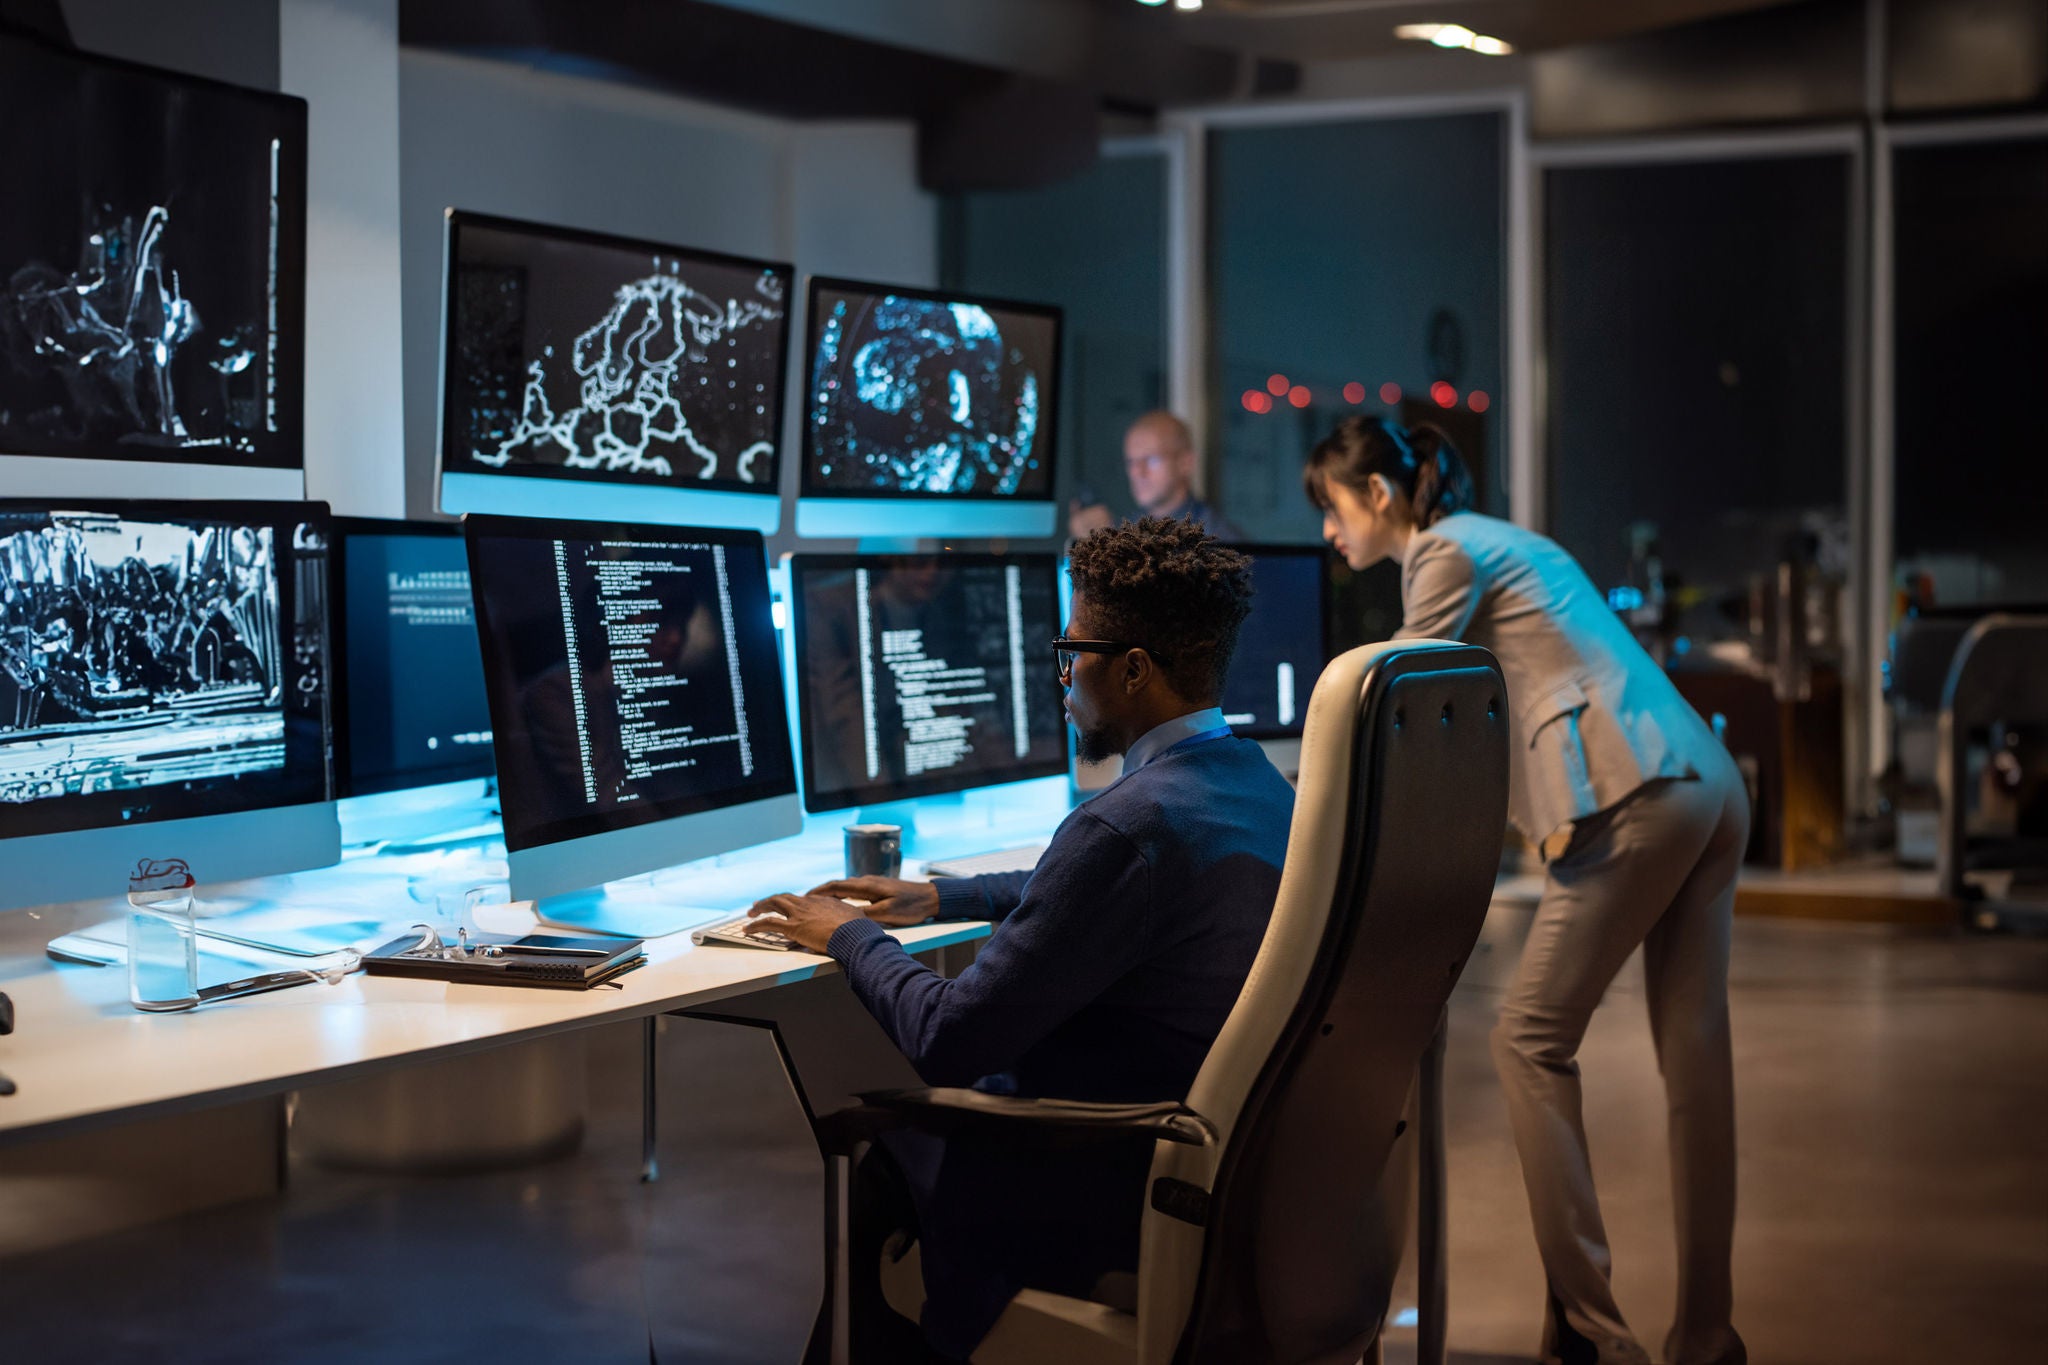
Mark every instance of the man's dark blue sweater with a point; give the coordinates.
(1110, 972)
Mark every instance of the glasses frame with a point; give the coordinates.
(1064, 649)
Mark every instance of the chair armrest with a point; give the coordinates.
(1025, 1122)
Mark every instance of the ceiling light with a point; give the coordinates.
(1154, 3)
(1454, 35)
(1187, 4)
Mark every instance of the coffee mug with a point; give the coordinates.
(874, 850)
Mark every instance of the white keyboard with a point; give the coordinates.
(732, 934)
(975, 864)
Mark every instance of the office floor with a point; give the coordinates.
(1893, 1092)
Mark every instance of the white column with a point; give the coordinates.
(341, 56)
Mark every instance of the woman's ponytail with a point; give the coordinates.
(1443, 484)
(1422, 464)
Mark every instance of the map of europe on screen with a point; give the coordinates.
(571, 359)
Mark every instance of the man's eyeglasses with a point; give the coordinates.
(1064, 650)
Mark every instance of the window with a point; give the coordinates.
(1970, 439)
(1696, 329)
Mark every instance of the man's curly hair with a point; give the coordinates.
(1168, 585)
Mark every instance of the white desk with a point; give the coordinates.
(82, 1057)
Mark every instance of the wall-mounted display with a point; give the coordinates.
(152, 263)
(921, 395)
(576, 356)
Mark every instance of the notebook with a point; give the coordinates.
(554, 961)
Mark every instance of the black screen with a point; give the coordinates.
(152, 263)
(632, 673)
(926, 395)
(572, 355)
(409, 687)
(925, 673)
(1280, 647)
(159, 661)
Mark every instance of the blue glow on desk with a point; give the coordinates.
(440, 841)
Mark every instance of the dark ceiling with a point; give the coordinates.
(919, 58)
(742, 55)
(1335, 30)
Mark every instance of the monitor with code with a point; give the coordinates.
(634, 683)
(920, 674)
(409, 707)
(1280, 647)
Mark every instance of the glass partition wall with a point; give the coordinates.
(1968, 280)
(1354, 266)
(1095, 245)
(1698, 356)
(1355, 263)
(1703, 429)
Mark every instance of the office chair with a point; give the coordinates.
(1995, 676)
(1262, 1238)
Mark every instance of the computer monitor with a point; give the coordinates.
(152, 281)
(1282, 646)
(409, 708)
(163, 692)
(585, 375)
(636, 696)
(920, 674)
(927, 413)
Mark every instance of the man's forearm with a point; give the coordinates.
(991, 896)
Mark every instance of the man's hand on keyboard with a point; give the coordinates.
(890, 901)
(809, 920)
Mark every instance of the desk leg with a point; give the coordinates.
(1432, 1297)
(650, 1169)
(831, 1335)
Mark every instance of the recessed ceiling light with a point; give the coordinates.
(1154, 3)
(1454, 35)
(1187, 4)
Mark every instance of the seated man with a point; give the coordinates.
(1112, 966)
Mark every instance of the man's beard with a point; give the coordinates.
(1095, 746)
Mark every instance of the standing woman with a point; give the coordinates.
(1641, 819)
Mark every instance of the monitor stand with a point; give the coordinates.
(924, 814)
(447, 815)
(670, 899)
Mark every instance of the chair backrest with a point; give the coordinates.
(1264, 1245)
(1995, 676)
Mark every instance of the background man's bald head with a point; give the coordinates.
(1159, 459)
(1172, 433)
